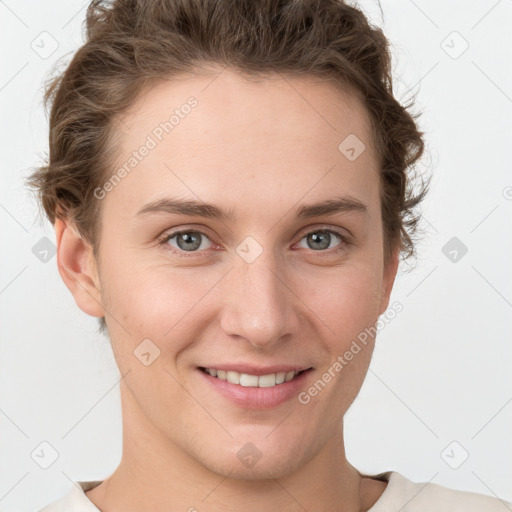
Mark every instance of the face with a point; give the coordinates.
(261, 288)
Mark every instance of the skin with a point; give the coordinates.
(261, 148)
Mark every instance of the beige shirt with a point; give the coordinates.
(401, 494)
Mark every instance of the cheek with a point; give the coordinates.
(346, 299)
(348, 309)
(158, 302)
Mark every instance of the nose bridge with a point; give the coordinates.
(258, 306)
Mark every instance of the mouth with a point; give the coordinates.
(255, 392)
(269, 380)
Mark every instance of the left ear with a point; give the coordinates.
(388, 280)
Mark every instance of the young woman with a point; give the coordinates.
(229, 185)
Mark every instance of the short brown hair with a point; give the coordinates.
(132, 43)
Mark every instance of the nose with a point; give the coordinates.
(259, 304)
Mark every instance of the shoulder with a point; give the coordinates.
(408, 496)
(75, 500)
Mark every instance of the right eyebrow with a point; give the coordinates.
(186, 207)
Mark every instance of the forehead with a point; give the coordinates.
(214, 133)
(298, 106)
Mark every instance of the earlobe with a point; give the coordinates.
(388, 280)
(77, 267)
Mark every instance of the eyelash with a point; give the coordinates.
(187, 254)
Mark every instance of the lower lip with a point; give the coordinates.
(257, 398)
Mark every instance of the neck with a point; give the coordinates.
(156, 473)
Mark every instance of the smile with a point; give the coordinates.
(253, 381)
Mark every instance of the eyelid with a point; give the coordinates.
(169, 233)
(326, 227)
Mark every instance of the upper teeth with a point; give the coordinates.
(244, 379)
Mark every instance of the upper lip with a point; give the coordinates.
(257, 370)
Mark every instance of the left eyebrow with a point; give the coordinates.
(199, 209)
(330, 207)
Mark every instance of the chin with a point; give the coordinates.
(261, 457)
(270, 468)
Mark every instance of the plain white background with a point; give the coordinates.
(439, 388)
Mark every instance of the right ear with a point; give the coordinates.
(77, 267)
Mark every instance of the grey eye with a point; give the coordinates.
(189, 241)
(320, 239)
